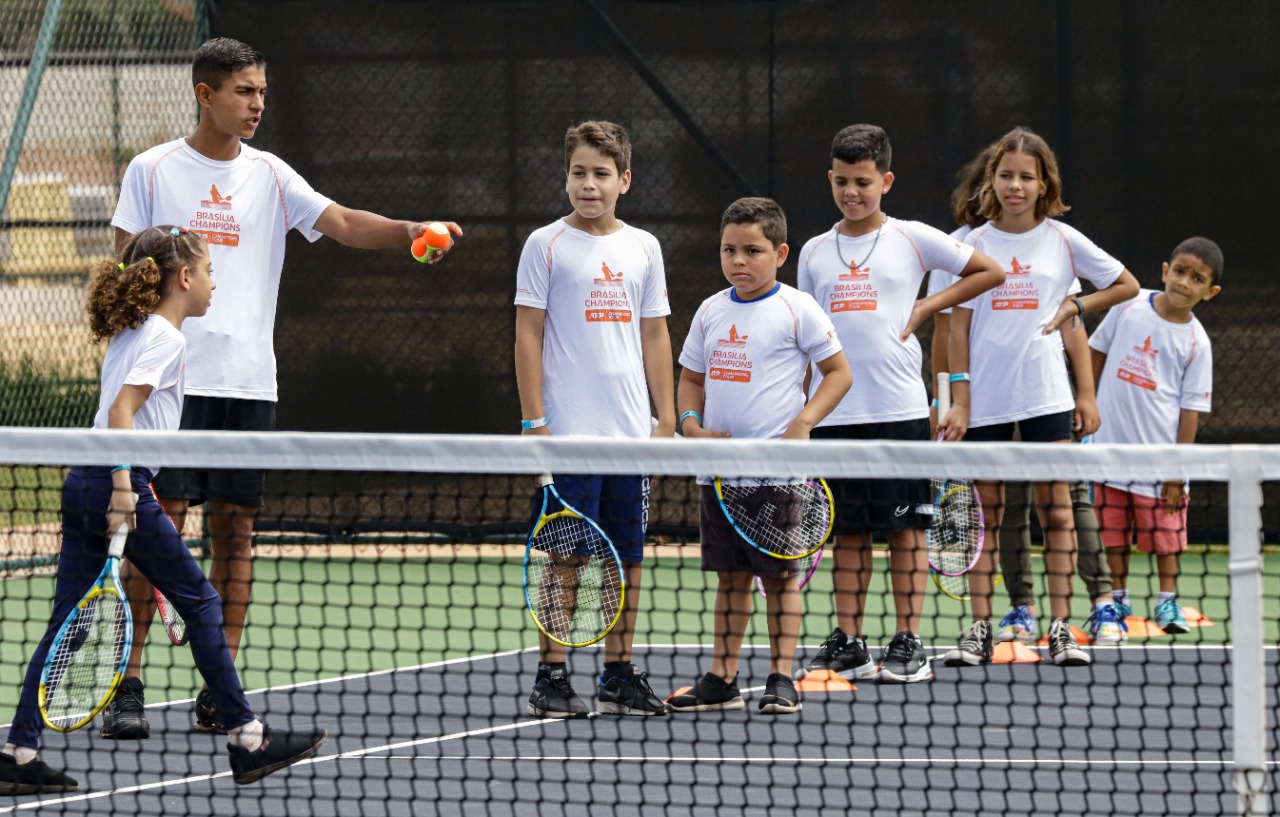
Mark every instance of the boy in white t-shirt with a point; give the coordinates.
(139, 307)
(744, 366)
(592, 351)
(242, 201)
(866, 273)
(1154, 366)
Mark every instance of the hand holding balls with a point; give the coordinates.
(433, 239)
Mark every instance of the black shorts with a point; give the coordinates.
(884, 505)
(1047, 428)
(196, 485)
(724, 551)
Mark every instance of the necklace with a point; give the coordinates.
(860, 265)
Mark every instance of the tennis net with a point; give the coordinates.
(388, 606)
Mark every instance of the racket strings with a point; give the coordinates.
(955, 535)
(579, 586)
(788, 520)
(84, 666)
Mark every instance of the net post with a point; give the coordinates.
(1248, 669)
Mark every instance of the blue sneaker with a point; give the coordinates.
(1019, 625)
(1168, 617)
(1106, 626)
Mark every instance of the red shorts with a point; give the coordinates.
(1121, 514)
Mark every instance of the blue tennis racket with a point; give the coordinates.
(786, 519)
(90, 651)
(574, 585)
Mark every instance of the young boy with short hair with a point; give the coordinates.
(773, 333)
(1154, 368)
(592, 349)
(866, 272)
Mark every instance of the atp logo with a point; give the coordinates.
(1018, 269)
(1146, 349)
(608, 278)
(734, 341)
(216, 200)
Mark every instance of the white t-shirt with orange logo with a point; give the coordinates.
(1154, 370)
(243, 208)
(755, 355)
(1016, 371)
(153, 354)
(595, 289)
(869, 307)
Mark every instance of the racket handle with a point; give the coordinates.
(544, 480)
(943, 393)
(116, 548)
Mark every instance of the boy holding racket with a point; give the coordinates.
(140, 306)
(744, 364)
(866, 272)
(1154, 366)
(592, 351)
(243, 202)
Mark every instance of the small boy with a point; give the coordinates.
(744, 363)
(1155, 373)
(866, 272)
(592, 349)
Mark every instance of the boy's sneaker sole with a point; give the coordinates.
(254, 775)
(779, 706)
(726, 706)
(538, 712)
(888, 676)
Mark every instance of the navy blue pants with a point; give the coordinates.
(157, 550)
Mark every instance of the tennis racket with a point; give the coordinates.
(573, 580)
(784, 519)
(807, 566)
(957, 532)
(89, 654)
(957, 587)
(173, 623)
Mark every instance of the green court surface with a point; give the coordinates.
(321, 618)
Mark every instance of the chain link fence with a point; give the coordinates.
(457, 111)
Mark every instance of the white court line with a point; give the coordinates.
(835, 761)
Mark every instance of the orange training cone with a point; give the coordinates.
(824, 680)
(1082, 638)
(1195, 618)
(1139, 627)
(680, 691)
(1014, 652)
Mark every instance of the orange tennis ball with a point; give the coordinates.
(434, 238)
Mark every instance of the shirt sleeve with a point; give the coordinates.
(533, 276)
(693, 354)
(133, 210)
(159, 363)
(1090, 261)
(1197, 380)
(816, 335)
(804, 275)
(655, 303)
(1102, 337)
(303, 204)
(939, 251)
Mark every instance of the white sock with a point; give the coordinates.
(21, 754)
(248, 736)
(1166, 596)
(1120, 597)
(1099, 605)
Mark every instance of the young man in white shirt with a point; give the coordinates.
(242, 201)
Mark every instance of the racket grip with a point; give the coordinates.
(544, 480)
(116, 548)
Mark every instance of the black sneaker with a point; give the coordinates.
(976, 646)
(845, 656)
(709, 694)
(32, 778)
(904, 661)
(124, 718)
(207, 719)
(780, 696)
(278, 749)
(1063, 648)
(628, 695)
(553, 697)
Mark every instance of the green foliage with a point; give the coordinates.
(32, 398)
(100, 25)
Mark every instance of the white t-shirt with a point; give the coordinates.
(1154, 370)
(1016, 371)
(869, 307)
(941, 279)
(595, 289)
(243, 208)
(154, 354)
(755, 355)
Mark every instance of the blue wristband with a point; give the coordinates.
(934, 404)
(687, 415)
(123, 467)
(960, 377)
(528, 424)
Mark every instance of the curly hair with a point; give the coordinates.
(121, 296)
(969, 181)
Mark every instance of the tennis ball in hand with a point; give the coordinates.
(434, 238)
